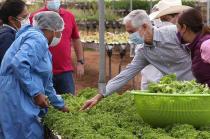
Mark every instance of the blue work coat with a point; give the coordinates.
(25, 72)
(7, 36)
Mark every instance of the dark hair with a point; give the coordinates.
(166, 17)
(192, 18)
(11, 8)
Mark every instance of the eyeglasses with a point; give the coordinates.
(22, 18)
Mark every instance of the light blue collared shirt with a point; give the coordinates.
(166, 54)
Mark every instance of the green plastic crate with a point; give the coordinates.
(161, 110)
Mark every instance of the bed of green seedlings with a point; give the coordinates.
(169, 85)
(115, 117)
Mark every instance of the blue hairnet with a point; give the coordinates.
(48, 20)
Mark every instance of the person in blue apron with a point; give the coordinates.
(26, 78)
(12, 19)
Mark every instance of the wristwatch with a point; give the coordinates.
(81, 61)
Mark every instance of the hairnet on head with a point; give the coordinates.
(48, 20)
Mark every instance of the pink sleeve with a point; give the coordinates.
(205, 51)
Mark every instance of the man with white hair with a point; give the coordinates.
(161, 48)
(164, 13)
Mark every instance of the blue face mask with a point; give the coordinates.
(53, 5)
(135, 38)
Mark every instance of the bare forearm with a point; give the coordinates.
(78, 48)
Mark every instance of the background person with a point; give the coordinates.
(191, 29)
(61, 54)
(167, 11)
(13, 19)
(161, 48)
(1, 22)
(26, 78)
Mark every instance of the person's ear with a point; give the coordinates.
(13, 22)
(10, 19)
(184, 28)
(145, 26)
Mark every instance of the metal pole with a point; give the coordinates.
(120, 65)
(102, 61)
(109, 53)
(112, 4)
(110, 68)
(131, 5)
(208, 12)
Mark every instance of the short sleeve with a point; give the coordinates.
(75, 32)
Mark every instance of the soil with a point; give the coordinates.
(90, 78)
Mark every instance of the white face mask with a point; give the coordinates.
(25, 22)
(55, 42)
(53, 5)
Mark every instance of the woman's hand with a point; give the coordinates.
(41, 101)
(80, 70)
